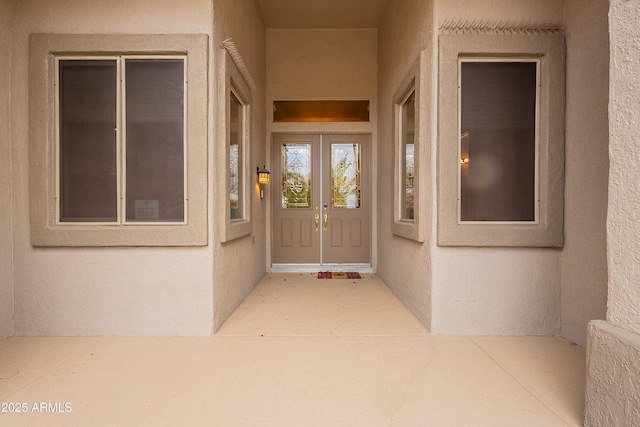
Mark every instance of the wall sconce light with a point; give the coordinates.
(264, 177)
(464, 160)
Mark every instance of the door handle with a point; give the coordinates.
(317, 218)
(325, 219)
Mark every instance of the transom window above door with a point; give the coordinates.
(321, 111)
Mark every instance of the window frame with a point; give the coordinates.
(242, 113)
(402, 154)
(121, 138)
(46, 229)
(230, 80)
(415, 80)
(491, 59)
(549, 49)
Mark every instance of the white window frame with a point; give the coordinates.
(548, 48)
(243, 146)
(230, 80)
(121, 139)
(46, 229)
(415, 80)
(537, 61)
(402, 154)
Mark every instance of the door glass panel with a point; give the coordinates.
(345, 176)
(296, 175)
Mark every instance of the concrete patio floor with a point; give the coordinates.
(298, 352)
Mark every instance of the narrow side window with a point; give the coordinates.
(234, 204)
(407, 151)
(412, 139)
(236, 156)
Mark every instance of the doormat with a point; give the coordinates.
(338, 275)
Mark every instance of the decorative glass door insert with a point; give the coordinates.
(345, 176)
(296, 175)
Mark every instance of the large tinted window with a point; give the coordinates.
(498, 140)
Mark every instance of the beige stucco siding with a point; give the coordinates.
(405, 265)
(97, 291)
(496, 290)
(623, 227)
(584, 257)
(6, 241)
(326, 64)
(240, 263)
(613, 351)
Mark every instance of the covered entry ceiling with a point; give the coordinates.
(305, 14)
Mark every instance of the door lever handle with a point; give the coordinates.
(325, 219)
(317, 218)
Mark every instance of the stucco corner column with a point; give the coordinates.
(613, 376)
(613, 347)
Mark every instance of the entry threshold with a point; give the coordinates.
(313, 268)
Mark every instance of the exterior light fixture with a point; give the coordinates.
(264, 177)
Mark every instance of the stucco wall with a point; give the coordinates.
(101, 291)
(613, 376)
(405, 265)
(584, 258)
(305, 64)
(613, 350)
(496, 290)
(623, 227)
(240, 264)
(6, 232)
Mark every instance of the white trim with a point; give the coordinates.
(230, 81)
(185, 139)
(120, 142)
(323, 211)
(312, 268)
(56, 136)
(243, 141)
(401, 146)
(414, 81)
